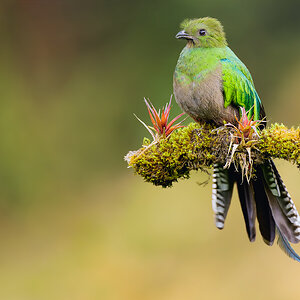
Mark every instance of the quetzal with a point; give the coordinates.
(211, 84)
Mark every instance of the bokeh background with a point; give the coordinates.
(75, 223)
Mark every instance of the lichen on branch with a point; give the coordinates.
(198, 147)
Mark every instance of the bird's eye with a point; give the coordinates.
(202, 32)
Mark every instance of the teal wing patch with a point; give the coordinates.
(239, 88)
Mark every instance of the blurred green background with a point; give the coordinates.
(75, 222)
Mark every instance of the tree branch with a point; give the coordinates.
(198, 147)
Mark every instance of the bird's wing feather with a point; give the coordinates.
(238, 87)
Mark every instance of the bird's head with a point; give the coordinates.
(204, 32)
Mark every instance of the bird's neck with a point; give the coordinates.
(193, 61)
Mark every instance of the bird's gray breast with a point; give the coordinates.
(202, 97)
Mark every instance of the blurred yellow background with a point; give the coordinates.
(75, 222)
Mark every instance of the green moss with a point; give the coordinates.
(197, 147)
(280, 142)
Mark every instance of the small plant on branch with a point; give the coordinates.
(159, 119)
(244, 136)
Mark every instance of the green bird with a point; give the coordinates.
(211, 84)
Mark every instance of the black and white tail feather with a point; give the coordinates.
(265, 198)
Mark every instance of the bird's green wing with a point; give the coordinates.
(239, 88)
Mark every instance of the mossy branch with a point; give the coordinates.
(198, 147)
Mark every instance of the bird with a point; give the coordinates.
(211, 84)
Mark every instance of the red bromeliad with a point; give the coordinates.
(160, 119)
(246, 129)
(244, 136)
(246, 126)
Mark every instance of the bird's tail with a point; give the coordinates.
(266, 198)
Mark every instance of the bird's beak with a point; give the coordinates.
(183, 35)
